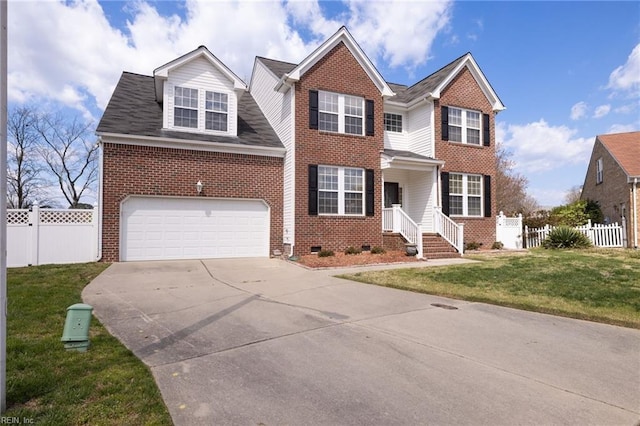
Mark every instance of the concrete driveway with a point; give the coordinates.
(264, 342)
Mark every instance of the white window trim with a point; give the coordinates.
(464, 126)
(402, 122)
(465, 195)
(202, 111)
(599, 171)
(341, 192)
(342, 114)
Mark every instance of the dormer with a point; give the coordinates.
(199, 94)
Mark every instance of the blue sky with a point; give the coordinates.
(567, 71)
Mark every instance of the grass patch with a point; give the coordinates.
(595, 284)
(107, 385)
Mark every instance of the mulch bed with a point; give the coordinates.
(364, 258)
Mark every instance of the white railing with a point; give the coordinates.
(40, 236)
(605, 236)
(394, 219)
(448, 229)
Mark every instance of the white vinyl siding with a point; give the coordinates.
(277, 108)
(199, 74)
(420, 130)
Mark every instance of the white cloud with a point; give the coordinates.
(623, 128)
(579, 110)
(627, 77)
(601, 111)
(70, 53)
(539, 147)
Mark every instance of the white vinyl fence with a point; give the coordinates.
(509, 231)
(612, 235)
(40, 236)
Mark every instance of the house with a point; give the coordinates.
(322, 154)
(612, 180)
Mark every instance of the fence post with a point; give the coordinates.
(525, 237)
(461, 238)
(34, 227)
(96, 231)
(396, 218)
(419, 255)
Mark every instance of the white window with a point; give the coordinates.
(392, 122)
(340, 113)
(465, 195)
(216, 107)
(340, 190)
(464, 126)
(185, 111)
(599, 171)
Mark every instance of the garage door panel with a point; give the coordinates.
(189, 228)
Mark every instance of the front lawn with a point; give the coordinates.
(107, 385)
(595, 284)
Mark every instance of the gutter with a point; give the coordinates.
(100, 196)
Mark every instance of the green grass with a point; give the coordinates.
(107, 385)
(597, 285)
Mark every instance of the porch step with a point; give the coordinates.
(436, 247)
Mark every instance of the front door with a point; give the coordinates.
(391, 194)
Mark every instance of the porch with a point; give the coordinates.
(411, 205)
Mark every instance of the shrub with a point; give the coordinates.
(378, 250)
(566, 237)
(326, 253)
(352, 250)
(497, 245)
(473, 245)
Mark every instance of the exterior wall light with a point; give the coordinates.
(199, 186)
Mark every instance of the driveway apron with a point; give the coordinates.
(265, 342)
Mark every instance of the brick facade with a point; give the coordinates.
(464, 92)
(338, 71)
(136, 170)
(613, 193)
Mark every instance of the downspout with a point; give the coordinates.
(635, 213)
(100, 195)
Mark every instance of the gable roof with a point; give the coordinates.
(162, 72)
(134, 111)
(625, 149)
(341, 36)
(433, 85)
(278, 68)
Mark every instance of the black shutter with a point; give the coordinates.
(444, 112)
(370, 208)
(313, 190)
(313, 109)
(486, 131)
(487, 196)
(369, 117)
(444, 177)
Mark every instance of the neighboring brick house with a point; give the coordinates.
(311, 156)
(612, 180)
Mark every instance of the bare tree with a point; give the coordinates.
(24, 177)
(511, 187)
(70, 152)
(573, 194)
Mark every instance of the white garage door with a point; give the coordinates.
(193, 228)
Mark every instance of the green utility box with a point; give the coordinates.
(76, 328)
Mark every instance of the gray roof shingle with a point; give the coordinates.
(279, 68)
(403, 93)
(428, 84)
(406, 154)
(133, 110)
